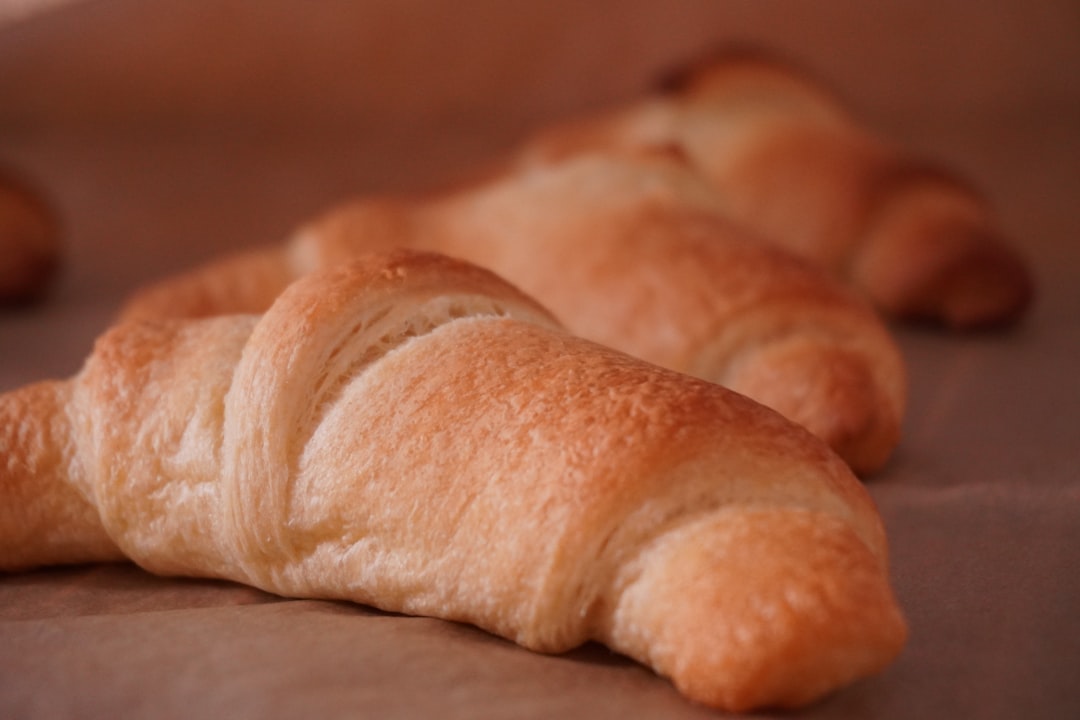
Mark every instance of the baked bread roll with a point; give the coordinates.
(630, 251)
(29, 241)
(792, 163)
(412, 433)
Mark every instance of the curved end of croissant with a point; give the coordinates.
(43, 518)
(962, 278)
(991, 288)
(835, 392)
(755, 609)
(30, 243)
(932, 253)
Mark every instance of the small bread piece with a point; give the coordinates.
(791, 162)
(412, 433)
(630, 251)
(29, 241)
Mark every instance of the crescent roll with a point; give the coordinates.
(412, 433)
(29, 241)
(790, 161)
(629, 250)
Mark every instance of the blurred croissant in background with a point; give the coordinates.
(29, 241)
(789, 161)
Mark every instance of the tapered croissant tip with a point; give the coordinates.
(785, 639)
(30, 242)
(826, 388)
(44, 519)
(992, 288)
(962, 277)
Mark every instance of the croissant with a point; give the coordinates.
(790, 161)
(630, 251)
(412, 433)
(29, 241)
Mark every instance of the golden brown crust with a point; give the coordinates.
(29, 241)
(413, 433)
(632, 251)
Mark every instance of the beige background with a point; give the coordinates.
(167, 131)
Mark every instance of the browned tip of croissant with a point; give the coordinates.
(782, 632)
(830, 390)
(29, 242)
(990, 288)
(933, 253)
(985, 287)
(43, 519)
